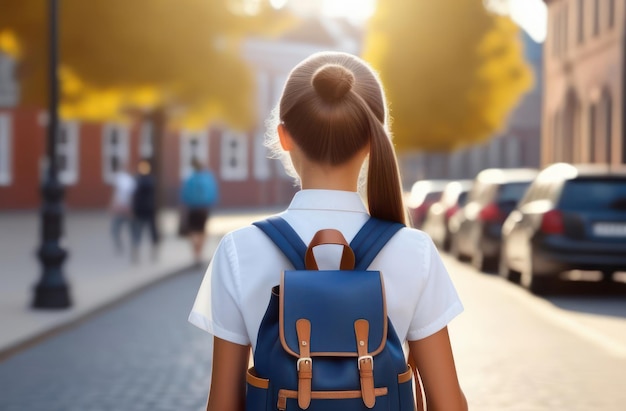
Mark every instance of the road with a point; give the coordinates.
(514, 351)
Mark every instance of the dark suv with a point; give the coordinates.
(572, 217)
(477, 227)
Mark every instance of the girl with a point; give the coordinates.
(331, 117)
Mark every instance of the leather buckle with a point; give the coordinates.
(309, 359)
(366, 357)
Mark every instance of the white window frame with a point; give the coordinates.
(121, 150)
(187, 153)
(69, 148)
(146, 140)
(234, 146)
(6, 149)
(262, 167)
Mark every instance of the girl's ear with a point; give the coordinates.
(286, 142)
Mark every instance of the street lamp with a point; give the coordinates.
(52, 291)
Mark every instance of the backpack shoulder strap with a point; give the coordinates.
(366, 245)
(370, 239)
(285, 238)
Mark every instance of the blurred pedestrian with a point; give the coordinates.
(144, 209)
(121, 204)
(198, 195)
(330, 119)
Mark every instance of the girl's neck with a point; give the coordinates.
(344, 177)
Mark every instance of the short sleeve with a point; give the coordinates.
(217, 305)
(438, 302)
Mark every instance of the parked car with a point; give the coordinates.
(572, 217)
(476, 229)
(437, 222)
(424, 193)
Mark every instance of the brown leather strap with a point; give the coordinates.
(329, 236)
(305, 363)
(419, 395)
(365, 363)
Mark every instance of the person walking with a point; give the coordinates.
(331, 117)
(144, 209)
(121, 205)
(199, 194)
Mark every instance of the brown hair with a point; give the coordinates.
(333, 105)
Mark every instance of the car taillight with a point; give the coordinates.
(552, 222)
(451, 211)
(490, 212)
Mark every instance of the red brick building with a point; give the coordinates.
(86, 151)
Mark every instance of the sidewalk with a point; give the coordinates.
(96, 275)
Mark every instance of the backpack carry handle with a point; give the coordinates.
(329, 236)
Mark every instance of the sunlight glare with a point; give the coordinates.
(355, 10)
(278, 4)
(532, 16)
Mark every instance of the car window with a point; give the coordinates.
(432, 197)
(512, 192)
(462, 198)
(594, 194)
(531, 194)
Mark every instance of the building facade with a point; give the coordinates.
(584, 82)
(87, 151)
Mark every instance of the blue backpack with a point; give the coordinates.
(325, 342)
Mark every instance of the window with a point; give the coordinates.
(593, 112)
(9, 87)
(146, 140)
(607, 108)
(115, 152)
(556, 33)
(565, 29)
(262, 170)
(234, 156)
(596, 17)
(194, 145)
(5, 149)
(67, 152)
(581, 21)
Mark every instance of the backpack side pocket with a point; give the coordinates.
(257, 392)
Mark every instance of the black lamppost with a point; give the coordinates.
(52, 290)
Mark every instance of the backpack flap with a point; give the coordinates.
(332, 301)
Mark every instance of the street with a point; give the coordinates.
(514, 351)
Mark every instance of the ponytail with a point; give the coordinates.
(333, 105)
(384, 189)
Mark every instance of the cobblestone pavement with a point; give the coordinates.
(139, 355)
(514, 352)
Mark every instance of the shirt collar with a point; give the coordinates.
(336, 200)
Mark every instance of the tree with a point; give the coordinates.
(452, 71)
(119, 54)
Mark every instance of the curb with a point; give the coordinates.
(36, 338)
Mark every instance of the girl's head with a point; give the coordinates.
(333, 107)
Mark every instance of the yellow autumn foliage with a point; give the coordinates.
(452, 71)
(121, 55)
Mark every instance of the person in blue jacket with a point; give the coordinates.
(199, 194)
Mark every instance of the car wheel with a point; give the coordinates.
(537, 284)
(478, 260)
(454, 249)
(484, 264)
(505, 272)
(446, 244)
(607, 276)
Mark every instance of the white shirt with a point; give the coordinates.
(123, 188)
(236, 288)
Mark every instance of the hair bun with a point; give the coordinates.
(332, 82)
